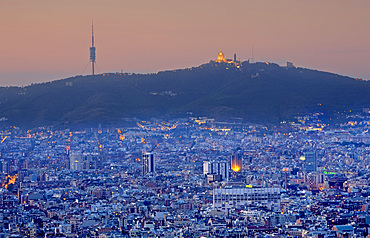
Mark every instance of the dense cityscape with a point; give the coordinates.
(185, 119)
(193, 177)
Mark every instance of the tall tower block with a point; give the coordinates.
(92, 51)
(311, 161)
(148, 163)
(236, 162)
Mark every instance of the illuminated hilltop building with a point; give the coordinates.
(221, 59)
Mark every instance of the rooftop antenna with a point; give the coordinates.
(92, 50)
(252, 55)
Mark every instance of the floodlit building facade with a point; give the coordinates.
(236, 162)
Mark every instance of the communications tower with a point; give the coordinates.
(92, 51)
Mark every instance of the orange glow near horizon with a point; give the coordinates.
(43, 44)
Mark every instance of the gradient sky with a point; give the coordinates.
(44, 40)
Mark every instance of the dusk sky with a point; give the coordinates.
(45, 40)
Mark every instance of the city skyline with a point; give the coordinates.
(50, 40)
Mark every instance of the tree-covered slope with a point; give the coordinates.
(256, 92)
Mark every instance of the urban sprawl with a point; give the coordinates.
(193, 177)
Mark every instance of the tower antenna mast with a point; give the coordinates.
(92, 50)
(252, 55)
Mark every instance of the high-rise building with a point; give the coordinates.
(216, 168)
(75, 160)
(310, 161)
(236, 164)
(4, 167)
(148, 163)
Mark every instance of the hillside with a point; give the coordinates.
(257, 92)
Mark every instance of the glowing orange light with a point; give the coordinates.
(10, 180)
(3, 139)
(220, 57)
(236, 168)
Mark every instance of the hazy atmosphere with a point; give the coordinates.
(48, 40)
(174, 118)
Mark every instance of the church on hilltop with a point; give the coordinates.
(221, 59)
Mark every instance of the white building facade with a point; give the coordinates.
(231, 197)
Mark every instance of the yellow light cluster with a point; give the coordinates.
(215, 129)
(236, 168)
(160, 127)
(10, 180)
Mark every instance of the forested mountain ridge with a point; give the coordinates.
(256, 92)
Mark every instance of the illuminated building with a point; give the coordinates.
(221, 57)
(216, 168)
(236, 162)
(231, 197)
(310, 161)
(148, 163)
(9, 180)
